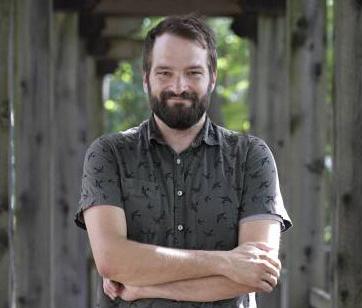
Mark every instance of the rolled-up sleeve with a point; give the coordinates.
(261, 191)
(100, 180)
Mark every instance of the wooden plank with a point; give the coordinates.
(347, 250)
(306, 194)
(91, 105)
(97, 25)
(69, 279)
(246, 26)
(164, 7)
(33, 99)
(5, 9)
(268, 103)
(319, 299)
(117, 49)
(121, 27)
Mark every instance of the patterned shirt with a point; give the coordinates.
(191, 200)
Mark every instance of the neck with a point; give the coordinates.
(179, 140)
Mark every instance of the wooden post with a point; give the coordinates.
(270, 112)
(306, 95)
(69, 279)
(33, 99)
(4, 150)
(347, 248)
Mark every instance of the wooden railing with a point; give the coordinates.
(319, 299)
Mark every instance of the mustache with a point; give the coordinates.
(184, 95)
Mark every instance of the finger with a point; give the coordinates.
(107, 287)
(274, 261)
(270, 279)
(115, 286)
(263, 246)
(265, 287)
(269, 268)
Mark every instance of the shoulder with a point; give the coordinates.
(117, 140)
(232, 138)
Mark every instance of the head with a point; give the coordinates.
(179, 70)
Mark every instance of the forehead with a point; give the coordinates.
(174, 51)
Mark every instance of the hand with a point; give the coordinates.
(115, 289)
(253, 264)
(112, 288)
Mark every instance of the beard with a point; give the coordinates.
(179, 116)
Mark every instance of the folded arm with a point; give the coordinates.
(133, 263)
(136, 264)
(219, 287)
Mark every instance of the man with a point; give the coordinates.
(181, 212)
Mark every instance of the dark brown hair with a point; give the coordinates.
(190, 27)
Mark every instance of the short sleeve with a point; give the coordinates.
(261, 191)
(100, 180)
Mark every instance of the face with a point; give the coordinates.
(179, 84)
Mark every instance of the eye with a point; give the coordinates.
(195, 73)
(163, 73)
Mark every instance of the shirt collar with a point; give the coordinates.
(208, 133)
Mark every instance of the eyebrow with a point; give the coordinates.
(166, 67)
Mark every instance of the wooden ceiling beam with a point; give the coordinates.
(142, 8)
(118, 49)
(121, 27)
(74, 5)
(273, 7)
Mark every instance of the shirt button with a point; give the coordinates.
(180, 227)
(178, 161)
(180, 193)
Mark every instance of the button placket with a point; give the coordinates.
(179, 201)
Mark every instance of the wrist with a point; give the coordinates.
(217, 262)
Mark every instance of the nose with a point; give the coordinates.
(180, 85)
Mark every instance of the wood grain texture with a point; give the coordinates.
(33, 101)
(306, 192)
(347, 250)
(5, 8)
(270, 112)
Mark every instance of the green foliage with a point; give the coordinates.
(126, 105)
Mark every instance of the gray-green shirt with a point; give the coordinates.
(191, 200)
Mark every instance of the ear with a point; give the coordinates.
(145, 88)
(213, 80)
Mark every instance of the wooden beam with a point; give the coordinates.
(319, 299)
(73, 5)
(115, 48)
(106, 66)
(90, 25)
(121, 27)
(5, 11)
(69, 244)
(97, 25)
(165, 7)
(246, 26)
(272, 7)
(267, 101)
(347, 167)
(32, 97)
(306, 94)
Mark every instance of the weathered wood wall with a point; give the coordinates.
(53, 84)
(270, 113)
(347, 250)
(68, 245)
(33, 114)
(5, 8)
(55, 92)
(306, 95)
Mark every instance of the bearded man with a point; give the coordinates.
(179, 211)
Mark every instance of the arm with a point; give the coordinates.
(217, 287)
(137, 264)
